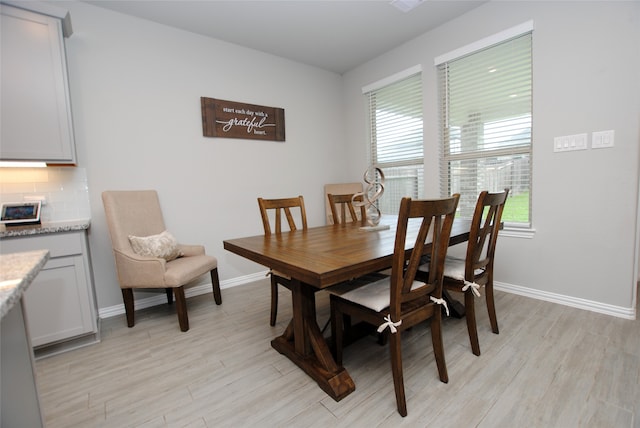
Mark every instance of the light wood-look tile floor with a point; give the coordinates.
(550, 366)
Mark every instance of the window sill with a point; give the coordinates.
(517, 232)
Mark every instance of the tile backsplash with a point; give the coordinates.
(64, 190)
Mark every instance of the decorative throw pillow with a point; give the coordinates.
(163, 245)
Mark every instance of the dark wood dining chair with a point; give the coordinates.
(284, 207)
(344, 211)
(400, 302)
(339, 189)
(468, 275)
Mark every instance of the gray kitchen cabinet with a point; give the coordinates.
(36, 111)
(60, 303)
(20, 403)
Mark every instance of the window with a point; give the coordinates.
(395, 118)
(485, 125)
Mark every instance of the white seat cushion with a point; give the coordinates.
(361, 281)
(376, 295)
(453, 268)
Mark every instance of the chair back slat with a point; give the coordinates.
(339, 205)
(279, 206)
(433, 220)
(483, 235)
(339, 189)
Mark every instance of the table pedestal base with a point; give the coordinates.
(302, 342)
(456, 309)
(336, 384)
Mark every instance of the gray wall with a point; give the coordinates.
(586, 68)
(135, 90)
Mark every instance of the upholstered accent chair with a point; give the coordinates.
(148, 256)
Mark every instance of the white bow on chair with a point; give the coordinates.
(474, 288)
(440, 302)
(388, 323)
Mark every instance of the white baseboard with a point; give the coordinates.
(197, 290)
(574, 302)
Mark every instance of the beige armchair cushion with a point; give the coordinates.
(163, 245)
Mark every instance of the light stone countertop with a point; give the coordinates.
(45, 227)
(17, 271)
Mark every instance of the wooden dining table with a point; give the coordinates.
(318, 258)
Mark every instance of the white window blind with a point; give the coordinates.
(395, 118)
(485, 126)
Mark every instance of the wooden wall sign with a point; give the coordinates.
(230, 119)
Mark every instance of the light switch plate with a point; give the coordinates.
(602, 139)
(570, 142)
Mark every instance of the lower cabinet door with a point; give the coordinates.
(58, 303)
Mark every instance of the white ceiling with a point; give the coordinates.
(336, 35)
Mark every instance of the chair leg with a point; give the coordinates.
(470, 312)
(337, 332)
(395, 348)
(438, 345)
(215, 281)
(491, 307)
(127, 297)
(383, 338)
(274, 301)
(181, 308)
(169, 295)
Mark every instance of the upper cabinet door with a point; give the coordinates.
(35, 111)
